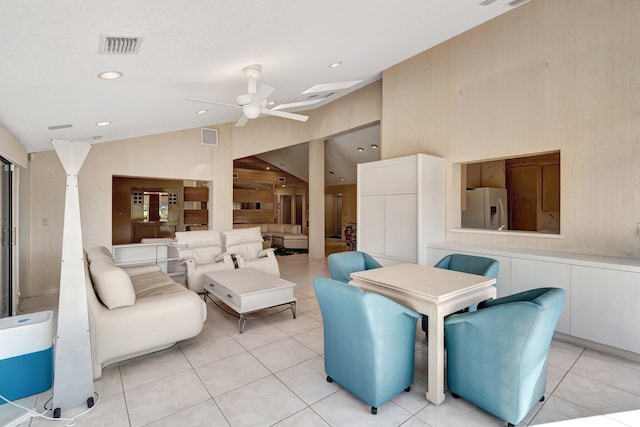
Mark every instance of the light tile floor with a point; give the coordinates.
(273, 375)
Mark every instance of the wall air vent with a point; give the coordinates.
(235, 175)
(282, 179)
(209, 136)
(119, 45)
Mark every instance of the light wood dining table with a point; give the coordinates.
(435, 292)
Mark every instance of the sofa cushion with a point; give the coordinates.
(201, 245)
(99, 252)
(245, 241)
(276, 228)
(291, 228)
(112, 284)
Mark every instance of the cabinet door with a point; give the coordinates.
(604, 306)
(400, 227)
(530, 274)
(389, 177)
(371, 225)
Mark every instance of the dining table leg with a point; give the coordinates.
(435, 368)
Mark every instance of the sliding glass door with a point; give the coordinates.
(7, 240)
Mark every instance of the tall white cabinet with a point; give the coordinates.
(401, 207)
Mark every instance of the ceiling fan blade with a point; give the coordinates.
(242, 121)
(262, 94)
(214, 102)
(284, 114)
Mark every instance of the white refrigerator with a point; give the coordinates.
(486, 208)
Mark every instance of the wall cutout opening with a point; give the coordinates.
(518, 194)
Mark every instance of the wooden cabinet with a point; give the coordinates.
(400, 207)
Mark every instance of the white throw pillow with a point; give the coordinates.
(112, 284)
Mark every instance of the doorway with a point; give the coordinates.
(6, 275)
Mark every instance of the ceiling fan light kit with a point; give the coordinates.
(255, 101)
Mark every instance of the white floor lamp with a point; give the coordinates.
(73, 374)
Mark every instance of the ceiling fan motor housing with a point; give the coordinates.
(251, 111)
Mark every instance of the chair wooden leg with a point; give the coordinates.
(374, 410)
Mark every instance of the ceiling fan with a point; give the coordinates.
(254, 102)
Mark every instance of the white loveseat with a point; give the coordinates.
(205, 251)
(135, 310)
(287, 236)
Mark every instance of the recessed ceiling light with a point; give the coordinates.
(374, 146)
(341, 179)
(271, 103)
(110, 75)
(360, 149)
(103, 123)
(283, 185)
(268, 168)
(335, 64)
(201, 111)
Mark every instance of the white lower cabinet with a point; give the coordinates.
(531, 274)
(604, 306)
(603, 294)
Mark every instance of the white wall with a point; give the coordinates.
(551, 74)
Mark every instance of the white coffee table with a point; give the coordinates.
(247, 290)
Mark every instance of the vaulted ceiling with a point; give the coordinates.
(51, 53)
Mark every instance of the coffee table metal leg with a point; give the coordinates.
(293, 309)
(242, 320)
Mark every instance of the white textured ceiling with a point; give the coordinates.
(49, 57)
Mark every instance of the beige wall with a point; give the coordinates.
(178, 155)
(551, 74)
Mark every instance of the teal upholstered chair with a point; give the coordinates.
(342, 264)
(369, 341)
(497, 355)
(467, 264)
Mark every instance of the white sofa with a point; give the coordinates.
(135, 310)
(202, 252)
(205, 251)
(288, 236)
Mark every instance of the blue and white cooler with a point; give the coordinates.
(26, 354)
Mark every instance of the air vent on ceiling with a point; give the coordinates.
(517, 2)
(486, 2)
(209, 136)
(60, 127)
(282, 179)
(120, 45)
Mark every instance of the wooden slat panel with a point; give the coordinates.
(196, 194)
(196, 216)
